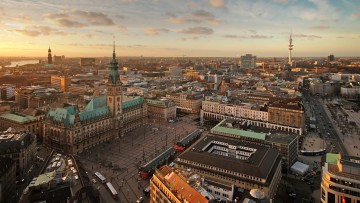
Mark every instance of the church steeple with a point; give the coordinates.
(49, 56)
(114, 76)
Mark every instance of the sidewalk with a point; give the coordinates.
(351, 142)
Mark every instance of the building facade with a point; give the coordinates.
(60, 83)
(7, 91)
(340, 179)
(167, 186)
(7, 180)
(20, 146)
(188, 103)
(71, 130)
(20, 121)
(284, 117)
(233, 163)
(248, 61)
(161, 109)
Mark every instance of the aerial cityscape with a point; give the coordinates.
(180, 101)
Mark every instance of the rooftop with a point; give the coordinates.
(177, 183)
(19, 118)
(222, 127)
(13, 140)
(247, 158)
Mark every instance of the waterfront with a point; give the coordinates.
(14, 64)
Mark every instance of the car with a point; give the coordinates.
(141, 199)
(94, 180)
(76, 177)
(74, 171)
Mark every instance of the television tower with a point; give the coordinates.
(290, 49)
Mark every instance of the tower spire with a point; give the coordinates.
(114, 55)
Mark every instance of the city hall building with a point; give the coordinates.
(71, 130)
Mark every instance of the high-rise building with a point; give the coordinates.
(340, 179)
(331, 58)
(248, 61)
(60, 83)
(49, 56)
(7, 91)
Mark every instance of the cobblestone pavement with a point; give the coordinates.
(120, 159)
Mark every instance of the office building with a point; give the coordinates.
(187, 102)
(331, 58)
(340, 181)
(7, 180)
(20, 146)
(61, 83)
(161, 109)
(285, 143)
(87, 61)
(248, 61)
(233, 165)
(167, 186)
(284, 115)
(7, 91)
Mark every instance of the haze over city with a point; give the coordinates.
(221, 28)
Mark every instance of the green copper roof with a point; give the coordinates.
(20, 118)
(332, 158)
(96, 108)
(133, 102)
(65, 115)
(237, 132)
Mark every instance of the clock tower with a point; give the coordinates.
(114, 94)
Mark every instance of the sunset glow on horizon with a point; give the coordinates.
(222, 28)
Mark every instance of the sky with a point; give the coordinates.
(177, 28)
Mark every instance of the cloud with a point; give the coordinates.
(323, 11)
(260, 37)
(320, 27)
(355, 16)
(253, 31)
(189, 38)
(230, 36)
(34, 31)
(340, 37)
(202, 15)
(94, 18)
(217, 3)
(177, 20)
(255, 36)
(197, 16)
(197, 31)
(83, 19)
(155, 31)
(307, 36)
(121, 27)
(281, 1)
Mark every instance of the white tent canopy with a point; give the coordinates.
(299, 168)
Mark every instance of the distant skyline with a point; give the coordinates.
(197, 28)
